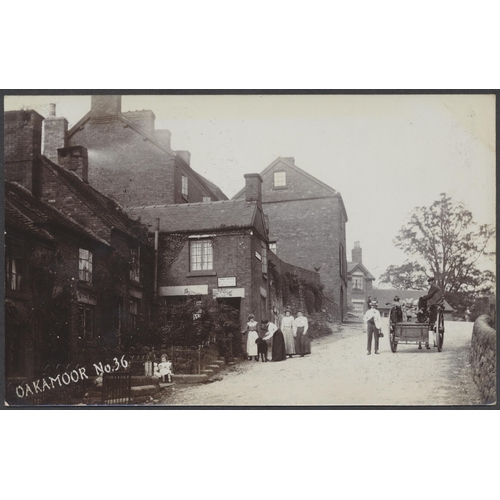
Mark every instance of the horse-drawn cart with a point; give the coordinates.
(402, 332)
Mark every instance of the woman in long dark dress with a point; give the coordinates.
(278, 350)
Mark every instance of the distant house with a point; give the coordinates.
(307, 226)
(132, 161)
(359, 282)
(385, 299)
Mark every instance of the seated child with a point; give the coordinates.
(165, 369)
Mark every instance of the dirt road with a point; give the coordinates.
(339, 372)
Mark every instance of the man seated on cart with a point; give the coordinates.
(431, 302)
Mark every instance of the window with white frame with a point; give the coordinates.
(14, 266)
(85, 265)
(207, 199)
(201, 255)
(135, 264)
(185, 188)
(272, 247)
(280, 179)
(358, 282)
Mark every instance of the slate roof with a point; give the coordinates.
(387, 295)
(107, 209)
(351, 266)
(192, 217)
(27, 213)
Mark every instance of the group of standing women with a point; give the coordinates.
(289, 339)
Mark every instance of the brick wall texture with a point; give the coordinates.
(308, 224)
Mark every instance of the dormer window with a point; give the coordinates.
(185, 190)
(280, 179)
(207, 199)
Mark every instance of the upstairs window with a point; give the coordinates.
(14, 266)
(135, 264)
(85, 265)
(207, 199)
(185, 190)
(201, 255)
(272, 247)
(357, 282)
(279, 179)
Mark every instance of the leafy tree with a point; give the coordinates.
(409, 276)
(450, 243)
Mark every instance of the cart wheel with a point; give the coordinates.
(393, 319)
(440, 330)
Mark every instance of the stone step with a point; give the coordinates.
(190, 379)
(144, 390)
(208, 372)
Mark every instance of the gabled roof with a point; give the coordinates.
(107, 209)
(193, 217)
(354, 266)
(387, 295)
(25, 212)
(209, 186)
(290, 162)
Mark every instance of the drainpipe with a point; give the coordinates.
(155, 285)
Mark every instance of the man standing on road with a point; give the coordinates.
(372, 325)
(434, 300)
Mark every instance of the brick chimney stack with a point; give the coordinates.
(22, 148)
(357, 253)
(185, 155)
(55, 134)
(253, 188)
(105, 106)
(144, 119)
(76, 159)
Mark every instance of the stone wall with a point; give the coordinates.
(483, 358)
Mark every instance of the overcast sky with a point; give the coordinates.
(384, 154)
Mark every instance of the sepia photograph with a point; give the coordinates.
(251, 250)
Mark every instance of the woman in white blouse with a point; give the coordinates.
(302, 340)
(287, 329)
(252, 336)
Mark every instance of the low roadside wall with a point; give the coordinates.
(483, 358)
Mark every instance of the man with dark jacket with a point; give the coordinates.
(434, 300)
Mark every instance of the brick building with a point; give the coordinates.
(90, 256)
(307, 221)
(218, 249)
(133, 162)
(359, 282)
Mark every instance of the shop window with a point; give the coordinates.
(85, 265)
(201, 255)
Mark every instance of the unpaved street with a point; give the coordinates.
(339, 372)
